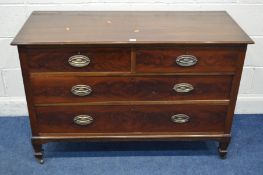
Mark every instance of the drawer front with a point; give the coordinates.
(140, 118)
(79, 60)
(72, 89)
(187, 60)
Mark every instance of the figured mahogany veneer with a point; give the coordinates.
(133, 118)
(210, 59)
(131, 75)
(57, 89)
(101, 59)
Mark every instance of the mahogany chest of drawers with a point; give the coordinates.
(92, 76)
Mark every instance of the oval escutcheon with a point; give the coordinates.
(183, 87)
(180, 118)
(81, 90)
(186, 60)
(79, 60)
(83, 120)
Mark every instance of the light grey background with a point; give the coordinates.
(13, 13)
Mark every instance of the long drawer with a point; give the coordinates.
(77, 89)
(79, 59)
(187, 59)
(139, 118)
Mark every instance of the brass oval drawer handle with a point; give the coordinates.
(83, 120)
(186, 60)
(81, 90)
(180, 118)
(183, 87)
(79, 60)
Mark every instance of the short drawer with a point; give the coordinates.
(139, 118)
(77, 89)
(187, 59)
(79, 59)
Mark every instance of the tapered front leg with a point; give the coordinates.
(222, 149)
(38, 151)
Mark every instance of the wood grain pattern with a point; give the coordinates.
(55, 59)
(234, 93)
(28, 90)
(180, 102)
(132, 74)
(115, 119)
(151, 136)
(130, 28)
(56, 89)
(210, 59)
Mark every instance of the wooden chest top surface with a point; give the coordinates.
(185, 27)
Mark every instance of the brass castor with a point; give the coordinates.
(222, 149)
(39, 157)
(222, 153)
(41, 161)
(38, 151)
